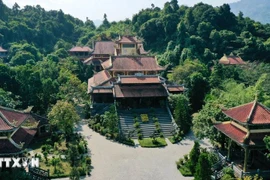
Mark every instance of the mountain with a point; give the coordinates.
(258, 10)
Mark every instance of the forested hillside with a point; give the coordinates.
(257, 10)
(189, 40)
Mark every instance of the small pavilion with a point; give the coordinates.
(248, 126)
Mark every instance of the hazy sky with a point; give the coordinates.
(95, 9)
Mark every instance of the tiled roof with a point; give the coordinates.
(240, 136)
(4, 126)
(23, 136)
(2, 50)
(106, 64)
(139, 91)
(135, 63)
(104, 47)
(128, 39)
(98, 79)
(6, 147)
(14, 117)
(231, 60)
(175, 88)
(80, 49)
(141, 50)
(253, 113)
(139, 80)
(232, 132)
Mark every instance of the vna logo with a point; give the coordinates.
(19, 162)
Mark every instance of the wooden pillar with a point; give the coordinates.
(246, 159)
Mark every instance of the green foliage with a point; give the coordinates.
(149, 143)
(203, 168)
(63, 117)
(181, 111)
(194, 156)
(110, 120)
(228, 173)
(74, 174)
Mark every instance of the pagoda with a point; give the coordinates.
(127, 74)
(231, 60)
(248, 126)
(18, 128)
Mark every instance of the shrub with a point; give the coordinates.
(136, 125)
(157, 124)
(158, 130)
(178, 165)
(136, 119)
(108, 135)
(181, 161)
(155, 119)
(81, 171)
(139, 131)
(186, 157)
(88, 160)
(161, 135)
(140, 136)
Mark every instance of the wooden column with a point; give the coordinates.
(246, 159)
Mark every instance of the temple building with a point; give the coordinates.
(248, 126)
(126, 76)
(3, 52)
(80, 52)
(18, 128)
(128, 64)
(231, 60)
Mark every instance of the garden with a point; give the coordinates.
(63, 156)
(108, 126)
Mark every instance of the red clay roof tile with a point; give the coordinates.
(140, 80)
(135, 63)
(231, 60)
(80, 49)
(14, 117)
(104, 47)
(99, 79)
(254, 113)
(6, 147)
(139, 91)
(232, 132)
(23, 136)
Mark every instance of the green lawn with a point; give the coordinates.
(148, 142)
(63, 169)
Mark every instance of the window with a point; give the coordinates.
(128, 45)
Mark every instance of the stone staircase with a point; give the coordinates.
(127, 121)
(100, 108)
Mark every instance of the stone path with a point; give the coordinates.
(114, 161)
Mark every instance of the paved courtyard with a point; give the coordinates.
(114, 161)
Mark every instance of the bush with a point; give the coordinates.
(181, 161)
(140, 136)
(161, 135)
(157, 124)
(186, 157)
(81, 171)
(155, 119)
(139, 131)
(136, 125)
(158, 130)
(88, 160)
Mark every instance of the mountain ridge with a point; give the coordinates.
(257, 10)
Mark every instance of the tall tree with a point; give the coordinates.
(63, 117)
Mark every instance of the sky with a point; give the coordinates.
(115, 9)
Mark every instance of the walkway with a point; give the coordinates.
(114, 161)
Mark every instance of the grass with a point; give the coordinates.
(184, 170)
(63, 169)
(174, 141)
(148, 142)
